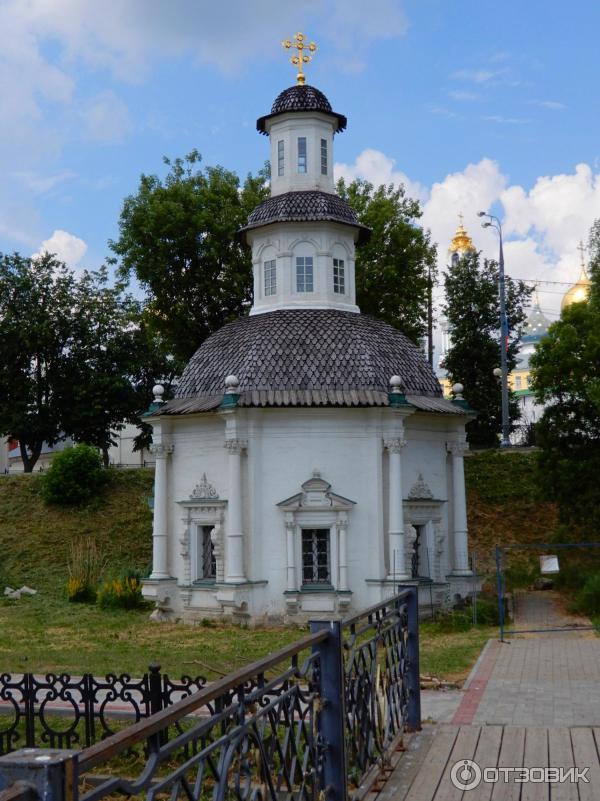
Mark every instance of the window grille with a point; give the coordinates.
(315, 556)
(280, 158)
(339, 279)
(270, 277)
(304, 274)
(323, 156)
(208, 563)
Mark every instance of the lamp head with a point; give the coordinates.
(486, 225)
(481, 213)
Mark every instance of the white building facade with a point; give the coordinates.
(308, 464)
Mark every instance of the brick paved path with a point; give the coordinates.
(549, 679)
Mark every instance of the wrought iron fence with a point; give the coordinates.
(312, 720)
(62, 711)
(381, 666)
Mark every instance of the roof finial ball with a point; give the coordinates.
(231, 385)
(299, 43)
(396, 384)
(457, 391)
(158, 391)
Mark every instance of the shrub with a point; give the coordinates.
(85, 566)
(487, 612)
(74, 477)
(124, 592)
(588, 598)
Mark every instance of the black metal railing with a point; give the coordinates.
(62, 711)
(317, 717)
(381, 666)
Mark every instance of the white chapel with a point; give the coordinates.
(308, 464)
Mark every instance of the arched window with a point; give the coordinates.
(339, 277)
(304, 274)
(270, 277)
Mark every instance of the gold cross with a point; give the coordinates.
(301, 58)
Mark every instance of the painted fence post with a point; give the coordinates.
(412, 652)
(332, 716)
(49, 773)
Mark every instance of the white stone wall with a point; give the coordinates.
(283, 242)
(287, 128)
(284, 449)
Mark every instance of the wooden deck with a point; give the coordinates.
(423, 771)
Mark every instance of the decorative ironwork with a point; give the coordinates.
(382, 680)
(295, 726)
(61, 711)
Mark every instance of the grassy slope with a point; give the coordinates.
(46, 633)
(504, 505)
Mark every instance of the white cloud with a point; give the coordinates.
(542, 225)
(106, 118)
(460, 94)
(553, 105)
(67, 247)
(478, 76)
(41, 184)
(377, 168)
(507, 120)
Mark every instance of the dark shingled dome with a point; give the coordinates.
(301, 98)
(306, 350)
(305, 206)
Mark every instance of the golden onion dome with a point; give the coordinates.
(580, 291)
(461, 242)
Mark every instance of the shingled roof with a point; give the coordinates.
(304, 357)
(305, 206)
(301, 98)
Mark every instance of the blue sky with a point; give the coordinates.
(470, 104)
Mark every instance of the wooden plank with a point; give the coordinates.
(560, 755)
(536, 756)
(464, 748)
(426, 782)
(585, 755)
(408, 765)
(486, 756)
(511, 756)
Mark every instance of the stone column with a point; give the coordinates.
(234, 550)
(290, 531)
(459, 505)
(342, 527)
(160, 553)
(397, 561)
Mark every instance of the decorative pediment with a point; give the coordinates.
(316, 494)
(204, 491)
(420, 490)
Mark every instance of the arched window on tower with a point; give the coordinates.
(304, 274)
(270, 277)
(339, 277)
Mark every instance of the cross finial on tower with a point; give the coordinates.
(581, 250)
(300, 44)
(461, 218)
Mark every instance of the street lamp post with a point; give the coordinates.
(494, 222)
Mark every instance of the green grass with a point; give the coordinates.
(451, 655)
(46, 633)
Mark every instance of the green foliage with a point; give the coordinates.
(587, 600)
(500, 476)
(487, 611)
(178, 237)
(74, 477)
(394, 268)
(75, 356)
(124, 592)
(473, 313)
(566, 378)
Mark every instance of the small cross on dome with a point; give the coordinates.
(300, 44)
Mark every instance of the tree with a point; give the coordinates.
(566, 380)
(473, 312)
(394, 268)
(70, 356)
(178, 237)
